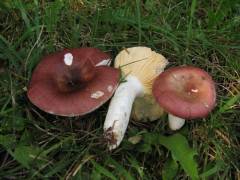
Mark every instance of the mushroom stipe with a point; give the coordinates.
(141, 66)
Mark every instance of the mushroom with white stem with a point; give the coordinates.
(73, 82)
(141, 66)
(185, 92)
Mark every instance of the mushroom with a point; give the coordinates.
(185, 92)
(145, 108)
(73, 82)
(140, 66)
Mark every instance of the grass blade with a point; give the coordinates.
(103, 170)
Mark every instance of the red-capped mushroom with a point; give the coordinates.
(185, 92)
(73, 82)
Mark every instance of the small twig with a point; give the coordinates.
(224, 137)
(134, 62)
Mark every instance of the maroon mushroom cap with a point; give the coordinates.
(187, 92)
(68, 83)
(95, 55)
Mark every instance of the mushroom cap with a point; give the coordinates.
(143, 63)
(94, 54)
(185, 91)
(49, 87)
(145, 108)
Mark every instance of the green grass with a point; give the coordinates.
(36, 145)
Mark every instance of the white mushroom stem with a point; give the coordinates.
(104, 62)
(175, 122)
(119, 111)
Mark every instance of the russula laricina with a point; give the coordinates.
(140, 66)
(185, 92)
(73, 82)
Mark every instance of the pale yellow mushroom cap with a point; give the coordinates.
(143, 63)
(146, 108)
(146, 65)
